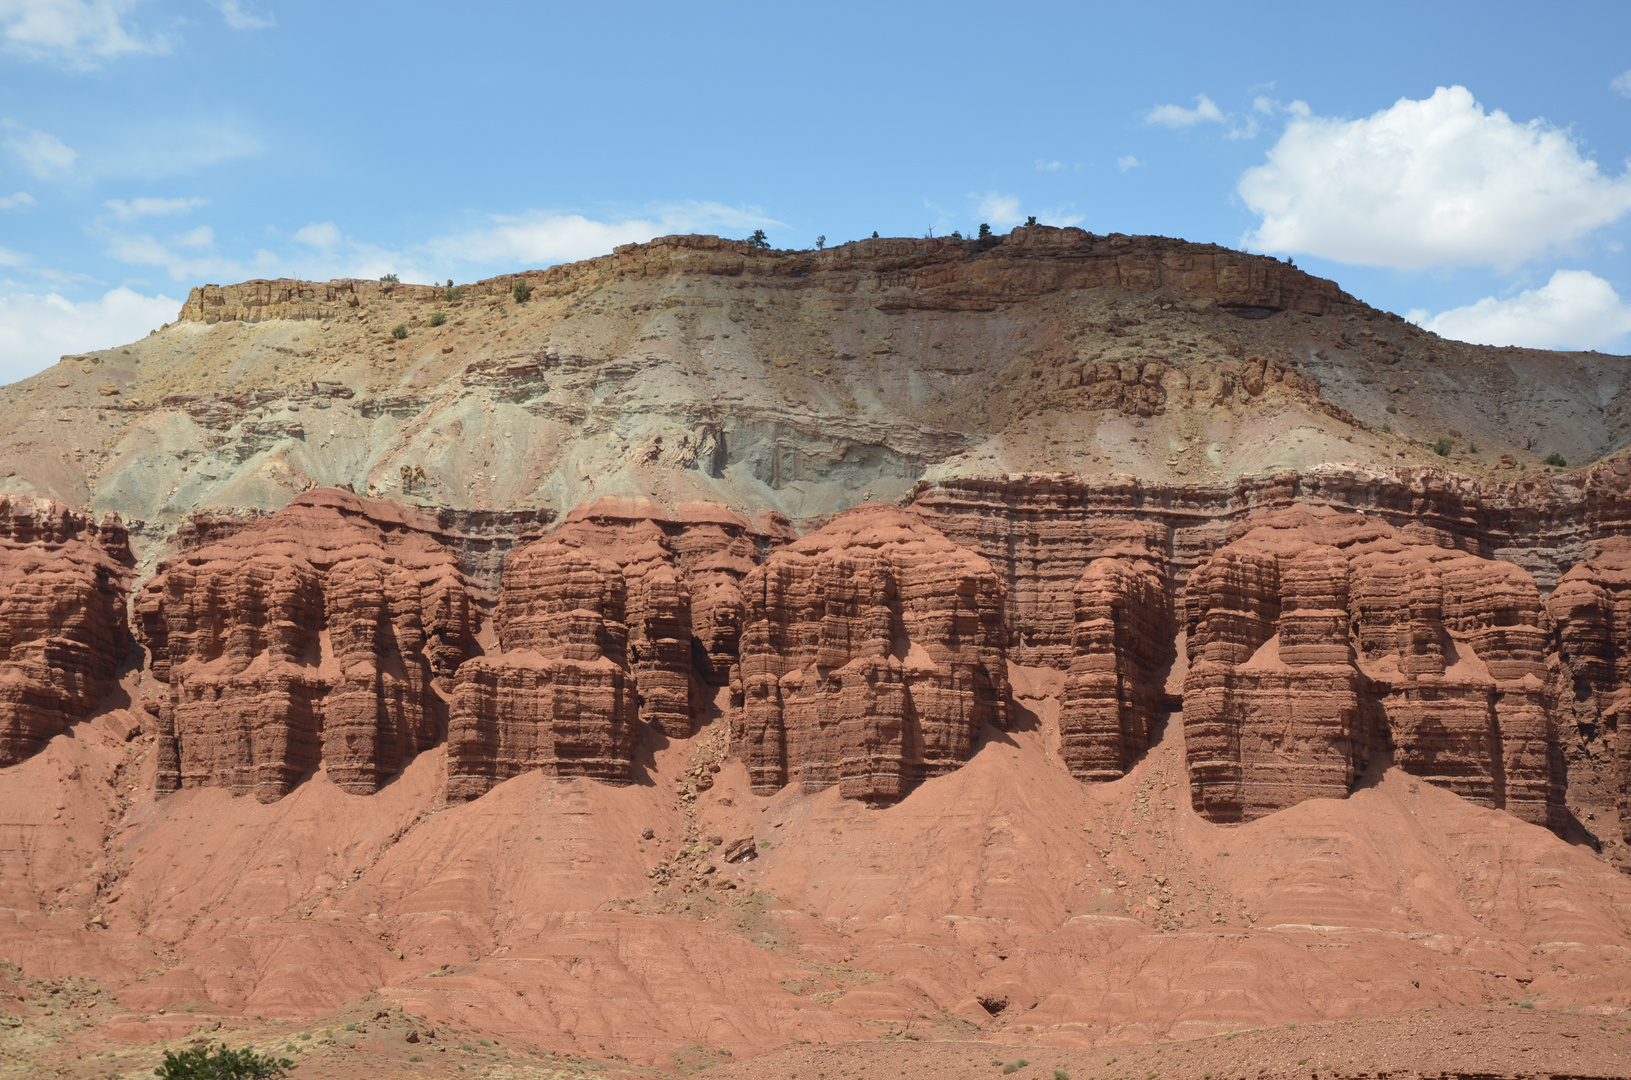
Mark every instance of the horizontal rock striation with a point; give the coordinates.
(874, 650)
(1320, 640)
(615, 617)
(1037, 529)
(1124, 638)
(63, 629)
(309, 637)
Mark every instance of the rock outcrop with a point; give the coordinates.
(1591, 607)
(615, 617)
(874, 651)
(1123, 639)
(310, 637)
(1320, 640)
(63, 630)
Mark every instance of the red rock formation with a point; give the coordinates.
(1592, 609)
(874, 651)
(63, 632)
(618, 614)
(1123, 639)
(557, 698)
(308, 637)
(1319, 639)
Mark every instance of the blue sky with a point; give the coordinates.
(1465, 164)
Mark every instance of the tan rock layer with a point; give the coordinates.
(945, 274)
(63, 629)
(310, 637)
(873, 653)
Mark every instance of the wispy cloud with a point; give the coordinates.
(17, 201)
(1205, 111)
(541, 238)
(40, 152)
(242, 16)
(998, 209)
(1128, 162)
(1622, 84)
(1049, 166)
(126, 210)
(77, 34)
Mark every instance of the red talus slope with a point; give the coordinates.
(309, 637)
(874, 651)
(63, 631)
(617, 615)
(1123, 638)
(1320, 639)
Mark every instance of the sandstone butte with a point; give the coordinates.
(1051, 639)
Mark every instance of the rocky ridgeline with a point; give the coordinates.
(938, 274)
(342, 634)
(63, 629)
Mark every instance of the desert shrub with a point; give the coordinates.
(438, 319)
(521, 291)
(1442, 447)
(758, 239)
(390, 279)
(1472, 448)
(1555, 459)
(453, 295)
(399, 331)
(1031, 220)
(198, 1063)
(985, 230)
(1060, 1074)
(821, 242)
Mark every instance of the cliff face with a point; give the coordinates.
(1320, 640)
(307, 638)
(1122, 642)
(63, 629)
(615, 617)
(874, 651)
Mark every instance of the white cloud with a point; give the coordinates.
(41, 153)
(242, 16)
(1176, 116)
(1049, 166)
(11, 258)
(538, 239)
(322, 236)
(1427, 183)
(13, 202)
(1128, 162)
(998, 209)
(35, 329)
(1623, 84)
(75, 33)
(1575, 310)
(125, 210)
